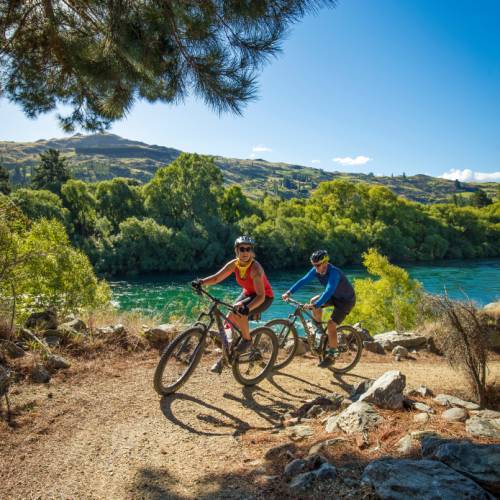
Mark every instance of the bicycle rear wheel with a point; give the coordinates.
(252, 366)
(350, 347)
(178, 361)
(288, 341)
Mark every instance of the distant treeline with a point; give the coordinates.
(185, 219)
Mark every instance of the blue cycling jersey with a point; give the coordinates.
(335, 281)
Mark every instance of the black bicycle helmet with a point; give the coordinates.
(244, 240)
(319, 255)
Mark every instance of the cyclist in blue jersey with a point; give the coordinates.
(338, 293)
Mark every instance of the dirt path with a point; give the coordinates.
(102, 432)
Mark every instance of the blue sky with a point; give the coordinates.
(386, 86)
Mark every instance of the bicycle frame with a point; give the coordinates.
(215, 315)
(300, 312)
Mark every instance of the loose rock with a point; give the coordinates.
(421, 418)
(448, 400)
(417, 405)
(427, 479)
(161, 335)
(405, 444)
(386, 391)
(56, 362)
(302, 482)
(356, 418)
(300, 431)
(483, 427)
(76, 324)
(419, 391)
(280, 450)
(406, 339)
(360, 388)
(373, 346)
(455, 415)
(40, 375)
(400, 351)
(324, 444)
(12, 350)
(45, 320)
(295, 467)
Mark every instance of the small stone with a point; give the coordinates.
(420, 391)
(54, 362)
(52, 340)
(295, 467)
(300, 431)
(448, 400)
(417, 405)
(11, 349)
(40, 375)
(455, 415)
(405, 444)
(373, 346)
(421, 418)
(400, 351)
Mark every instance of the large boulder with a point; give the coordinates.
(44, 320)
(406, 339)
(386, 391)
(480, 462)
(358, 417)
(448, 400)
(423, 479)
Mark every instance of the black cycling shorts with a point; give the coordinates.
(247, 299)
(341, 308)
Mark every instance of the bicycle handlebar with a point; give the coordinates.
(202, 291)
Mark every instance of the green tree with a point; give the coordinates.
(234, 205)
(389, 302)
(118, 200)
(98, 57)
(39, 204)
(186, 190)
(480, 199)
(5, 187)
(80, 201)
(51, 173)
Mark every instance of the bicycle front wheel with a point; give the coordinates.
(252, 366)
(178, 361)
(350, 347)
(288, 341)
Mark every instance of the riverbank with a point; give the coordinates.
(99, 430)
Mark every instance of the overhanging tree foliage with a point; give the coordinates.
(98, 57)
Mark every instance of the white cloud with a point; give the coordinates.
(468, 175)
(316, 161)
(349, 161)
(261, 149)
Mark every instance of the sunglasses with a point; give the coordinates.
(318, 264)
(244, 249)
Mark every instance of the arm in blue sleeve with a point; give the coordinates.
(333, 281)
(306, 279)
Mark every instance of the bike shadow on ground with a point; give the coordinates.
(310, 388)
(235, 426)
(339, 380)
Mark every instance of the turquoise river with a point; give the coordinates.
(169, 295)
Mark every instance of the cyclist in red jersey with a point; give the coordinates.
(257, 294)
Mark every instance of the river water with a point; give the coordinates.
(169, 295)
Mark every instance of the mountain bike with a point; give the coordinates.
(183, 353)
(350, 341)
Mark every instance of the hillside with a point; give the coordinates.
(104, 156)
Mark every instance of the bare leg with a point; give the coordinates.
(241, 322)
(332, 334)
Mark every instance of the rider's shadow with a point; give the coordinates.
(346, 386)
(270, 409)
(235, 425)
